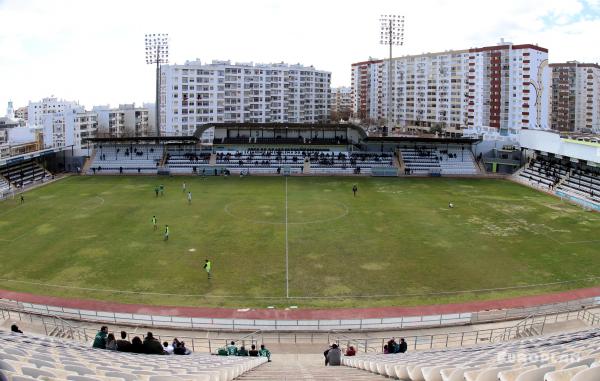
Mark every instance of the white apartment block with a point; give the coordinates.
(505, 87)
(38, 110)
(341, 99)
(69, 128)
(575, 97)
(125, 121)
(64, 123)
(194, 94)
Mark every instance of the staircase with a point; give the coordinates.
(399, 162)
(305, 367)
(306, 169)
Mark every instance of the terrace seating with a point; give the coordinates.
(580, 183)
(131, 158)
(567, 356)
(544, 174)
(566, 177)
(28, 357)
(24, 173)
(4, 186)
(435, 160)
(186, 159)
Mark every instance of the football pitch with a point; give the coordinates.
(303, 241)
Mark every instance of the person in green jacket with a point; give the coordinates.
(232, 349)
(100, 339)
(242, 351)
(264, 352)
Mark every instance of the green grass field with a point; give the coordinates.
(396, 243)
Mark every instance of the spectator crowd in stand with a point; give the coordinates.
(233, 350)
(150, 345)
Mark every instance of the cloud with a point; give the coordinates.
(92, 51)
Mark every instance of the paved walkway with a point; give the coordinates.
(305, 367)
(303, 314)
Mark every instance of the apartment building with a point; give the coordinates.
(340, 99)
(575, 97)
(505, 87)
(125, 121)
(70, 127)
(64, 123)
(194, 94)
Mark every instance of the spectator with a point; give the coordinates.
(100, 339)
(14, 328)
(242, 351)
(392, 346)
(136, 345)
(167, 348)
(334, 356)
(264, 352)
(111, 343)
(152, 346)
(325, 354)
(231, 349)
(181, 349)
(123, 345)
(253, 352)
(350, 351)
(403, 346)
(175, 343)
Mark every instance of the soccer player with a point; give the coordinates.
(22, 199)
(450, 205)
(166, 232)
(354, 189)
(183, 187)
(189, 198)
(207, 267)
(162, 190)
(154, 222)
(156, 191)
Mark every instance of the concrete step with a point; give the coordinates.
(305, 367)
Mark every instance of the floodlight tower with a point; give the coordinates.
(391, 33)
(157, 52)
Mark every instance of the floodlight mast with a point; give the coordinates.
(157, 51)
(392, 33)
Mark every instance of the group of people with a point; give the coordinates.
(233, 350)
(333, 354)
(394, 347)
(150, 345)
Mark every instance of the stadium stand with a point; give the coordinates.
(24, 173)
(4, 186)
(585, 184)
(131, 158)
(432, 160)
(566, 356)
(555, 174)
(185, 159)
(28, 357)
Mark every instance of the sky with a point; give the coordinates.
(93, 51)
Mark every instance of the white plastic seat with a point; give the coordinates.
(564, 374)
(591, 374)
(512, 374)
(535, 374)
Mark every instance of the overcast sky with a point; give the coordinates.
(93, 51)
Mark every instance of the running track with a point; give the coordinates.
(303, 314)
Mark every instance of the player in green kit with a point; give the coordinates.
(154, 222)
(208, 267)
(166, 232)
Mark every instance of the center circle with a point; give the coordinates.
(298, 213)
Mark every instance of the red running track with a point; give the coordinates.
(303, 314)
